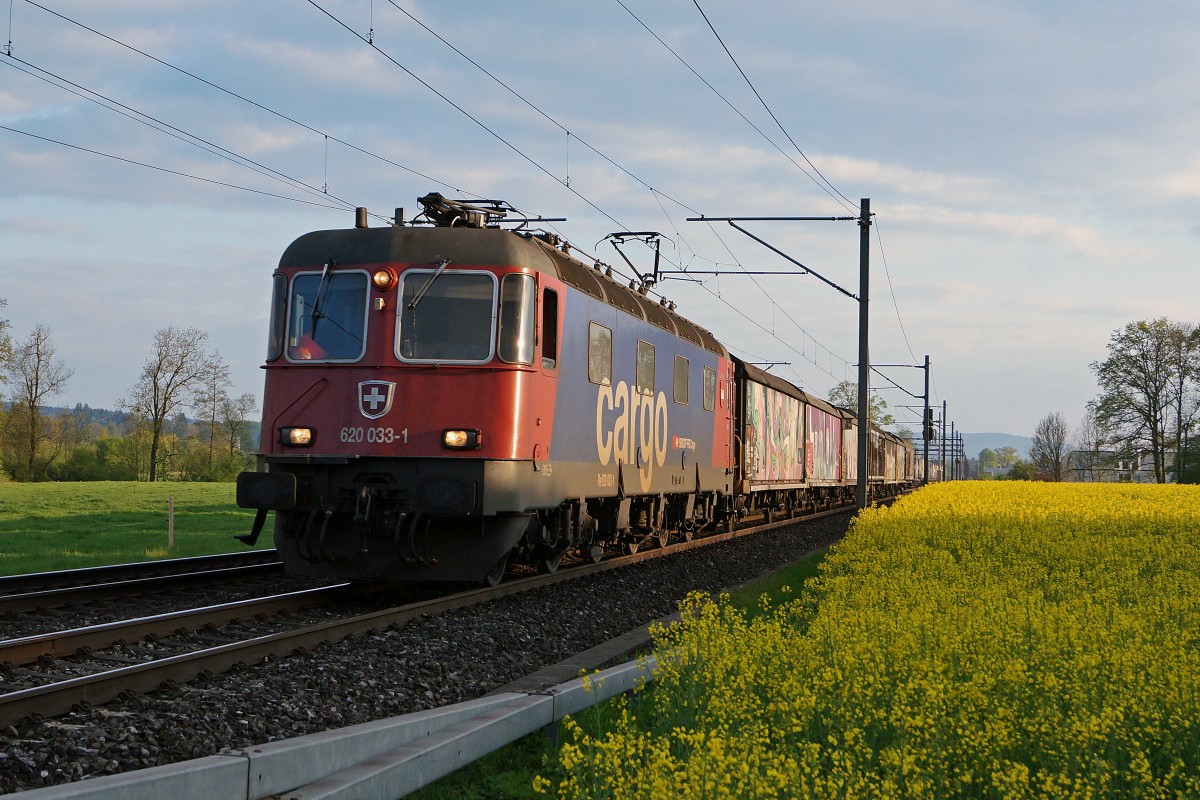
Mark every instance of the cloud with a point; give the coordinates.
(1071, 237)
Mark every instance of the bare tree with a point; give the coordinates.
(1049, 449)
(35, 374)
(1136, 389)
(5, 341)
(1090, 440)
(1185, 357)
(169, 377)
(212, 393)
(74, 430)
(235, 415)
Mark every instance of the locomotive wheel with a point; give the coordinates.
(631, 548)
(688, 533)
(662, 537)
(496, 573)
(593, 553)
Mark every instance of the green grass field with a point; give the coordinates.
(52, 526)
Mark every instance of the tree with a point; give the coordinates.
(212, 394)
(5, 341)
(1185, 358)
(1049, 449)
(1090, 441)
(235, 417)
(987, 459)
(35, 374)
(1021, 471)
(1006, 456)
(169, 377)
(74, 431)
(845, 395)
(1137, 383)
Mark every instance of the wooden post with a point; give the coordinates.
(171, 522)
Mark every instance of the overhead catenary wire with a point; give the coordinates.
(820, 183)
(166, 170)
(754, 89)
(166, 128)
(525, 156)
(895, 304)
(570, 134)
(656, 193)
(465, 113)
(252, 102)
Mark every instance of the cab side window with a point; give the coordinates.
(682, 374)
(599, 354)
(645, 367)
(710, 389)
(549, 329)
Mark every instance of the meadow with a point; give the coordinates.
(977, 639)
(52, 526)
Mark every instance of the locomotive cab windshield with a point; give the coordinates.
(446, 316)
(327, 316)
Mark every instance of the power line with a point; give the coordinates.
(164, 169)
(727, 102)
(892, 291)
(254, 103)
(570, 134)
(263, 107)
(465, 113)
(764, 104)
(166, 128)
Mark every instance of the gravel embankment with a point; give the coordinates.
(425, 664)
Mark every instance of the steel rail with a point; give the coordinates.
(34, 581)
(59, 698)
(61, 644)
(53, 598)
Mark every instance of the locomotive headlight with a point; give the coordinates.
(296, 437)
(461, 439)
(383, 279)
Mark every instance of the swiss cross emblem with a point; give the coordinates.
(375, 398)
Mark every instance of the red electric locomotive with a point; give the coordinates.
(443, 396)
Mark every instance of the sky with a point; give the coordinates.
(1032, 168)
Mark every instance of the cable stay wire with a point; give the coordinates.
(736, 110)
(166, 170)
(255, 103)
(749, 83)
(166, 128)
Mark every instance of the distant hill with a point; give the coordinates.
(974, 442)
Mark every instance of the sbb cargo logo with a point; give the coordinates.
(632, 428)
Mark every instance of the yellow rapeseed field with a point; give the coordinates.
(977, 639)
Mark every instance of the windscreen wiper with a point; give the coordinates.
(323, 286)
(412, 304)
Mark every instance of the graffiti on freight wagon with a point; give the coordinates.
(824, 460)
(777, 450)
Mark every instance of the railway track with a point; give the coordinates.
(51, 674)
(96, 576)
